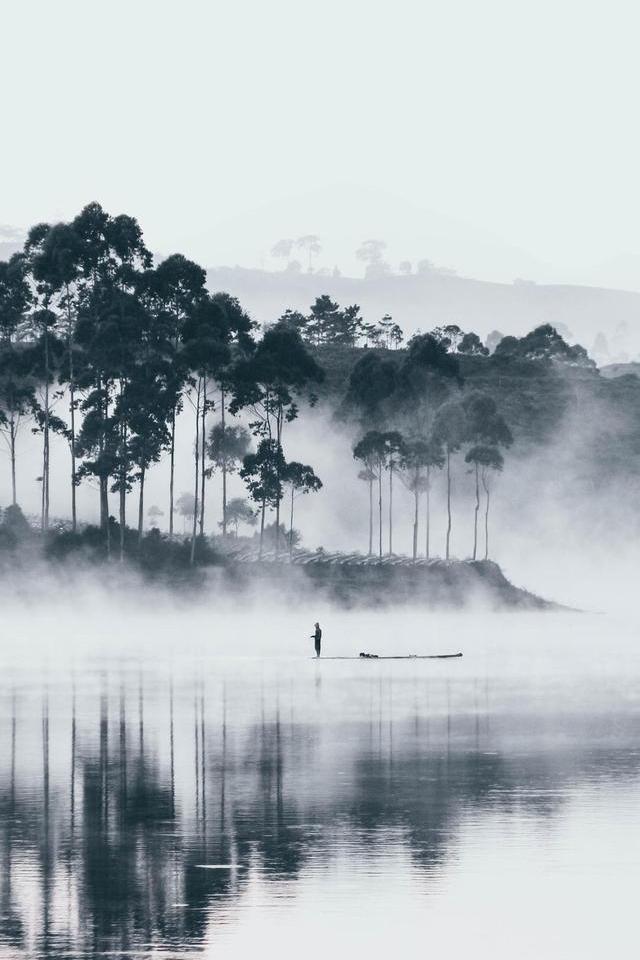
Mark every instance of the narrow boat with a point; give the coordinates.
(406, 656)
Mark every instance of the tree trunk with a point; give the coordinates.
(72, 417)
(224, 466)
(428, 517)
(12, 435)
(416, 495)
(172, 465)
(141, 507)
(380, 509)
(278, 491)
(264, 504)
(486, 518)
(370, 516)
(448, 502)
(203, 441)
(390, 507)
(45, 471)
(475, 516)
(192, 558)
(291, 526)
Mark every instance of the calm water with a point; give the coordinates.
(189, 794)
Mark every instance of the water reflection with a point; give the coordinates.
(137, 809)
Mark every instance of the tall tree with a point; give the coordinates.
(263, 472)
(300, 479)
(205, 337)
(270, 383)
(419, 457)
(226, 448)
(371, 450)
(394, 452)
(176, 287)
(450, 429)
(16, 381)
(487, 430)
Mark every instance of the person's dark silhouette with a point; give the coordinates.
(317, 637)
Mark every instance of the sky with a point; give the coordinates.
(497, 138)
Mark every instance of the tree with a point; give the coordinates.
(370, 251)
(239, 511)
(154, 513)
(487, 430)
(419, 456)
(372, 381)
(226, 448)
(262, 473)
(371, 450)
(175, 287)
(205, 338)
(487, 459)
(393, 453)
(186, 507)
(450, 429)
(269, 382)
(283, 249)
(300, 479)
(311, 243)
(472, 345)
(16, 383)
(543, 344)
(427, 375)
(405, 268)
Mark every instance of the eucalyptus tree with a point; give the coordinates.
(239, 329)
(270, 383)
(205, 344)
(263, 472)
(239, 511)
(487, 430)
(311, 243)
(175, 288)
(54, 254)
(487, 459)
(393, 454)
(450, 429)
(419, 457)
(110, 321)
(371, 450)
(301, 479)
(226, 448)
(16, 382)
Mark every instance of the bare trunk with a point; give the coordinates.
(262, 529)
(475, 516)
(72, 417)
(370, 516)
(486, 518)
(172, 466)
(12, 435)
(428, 517)
(197, 475)
(45, 470)
(390, 507)
(202, 464)
(224, 466)
(380, 509)
(278, 492)
(416, 496)
(141, 507)
(448, 502)
(291, 526)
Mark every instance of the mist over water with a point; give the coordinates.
(176, 778)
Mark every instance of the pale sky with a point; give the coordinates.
(499, 137)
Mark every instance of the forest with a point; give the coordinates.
(109, 351)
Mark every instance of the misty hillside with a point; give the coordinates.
(423, 301)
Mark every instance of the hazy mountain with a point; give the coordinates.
(426, 300)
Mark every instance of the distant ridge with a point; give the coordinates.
(422, 301)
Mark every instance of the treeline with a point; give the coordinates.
(104, 348)
(418, 418)
(88, 320)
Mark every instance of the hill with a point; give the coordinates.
(423, 301)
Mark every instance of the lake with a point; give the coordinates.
(181, 782)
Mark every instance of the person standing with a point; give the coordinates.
(316, 636)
